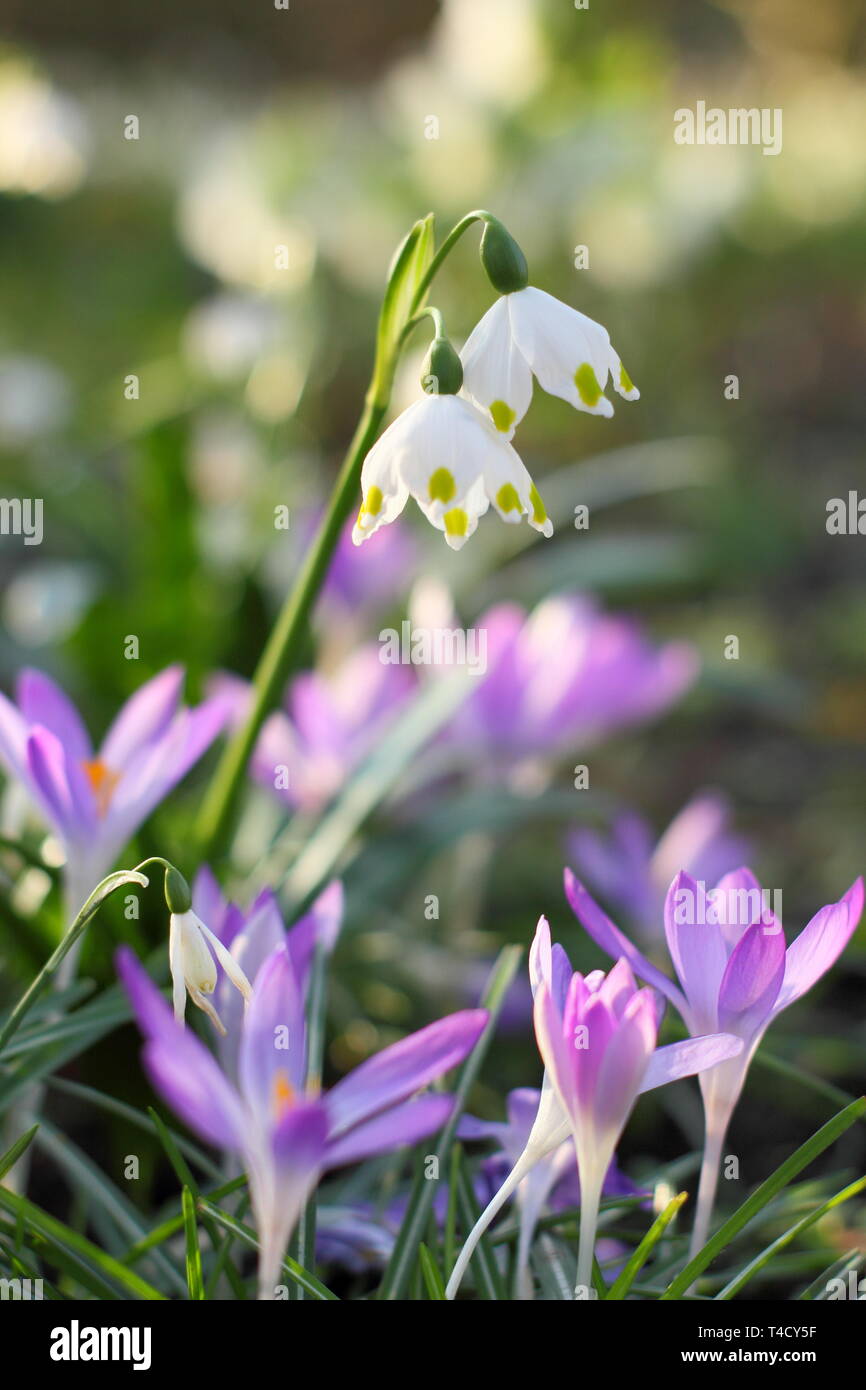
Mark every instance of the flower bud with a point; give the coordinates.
(442, 373)
(177, 895)
(502, 258)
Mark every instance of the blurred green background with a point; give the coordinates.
(308, 128)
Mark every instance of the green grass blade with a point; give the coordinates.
(57, 1233)
(432, 1275)
(194, 1277)
(13, 1153)
(766, 1255)
(621, 1285)
(768, 1189)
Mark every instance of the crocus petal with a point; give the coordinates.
(401, 1124)
(624, 1065)
(320, 926)
(558, 1053)
(819, 945)
(47, 767)
(393, 1074)
(43, 702)
(273, 1047)
(145, 716)
(688, 1057)
(281, 1181)
(697, 950)
(179, 1065)
(616, 943)
(752, 980)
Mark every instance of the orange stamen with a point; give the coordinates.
(283, 1094)
(102, 783)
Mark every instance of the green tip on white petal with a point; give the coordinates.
(624, 385)
(590, 392)
(502, 416)
(508, 503)
(538, 518)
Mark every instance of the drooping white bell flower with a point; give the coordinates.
(528, 333)
(442, 452)
(191, 950)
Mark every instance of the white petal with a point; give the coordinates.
(459, 523)
(443, 456)
(496, 375)
(175, 962)
(622, 382)
(383, 494)
(202, 1002)
(511, 489)
(228, 963)
(199, 968)
(569, 353)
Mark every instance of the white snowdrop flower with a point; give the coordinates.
(529, 333)
(442, 452)
(191, 949)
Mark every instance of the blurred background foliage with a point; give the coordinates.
(307, 128)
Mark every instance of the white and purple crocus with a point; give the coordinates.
(286, 1133)
(597, 1038)
(95, 799)
(735, 974)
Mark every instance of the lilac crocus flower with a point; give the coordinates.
(331, 722)
(597, 1039)
(96, 799)
(286, 1134)
(735, 974)
(251, 936)
(633, 873)
(566, 676)
(553, 1182)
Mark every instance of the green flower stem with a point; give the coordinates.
(279, 654)
(479, 215)
(41, 982)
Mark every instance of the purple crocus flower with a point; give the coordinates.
(553, 1182)
(633, 873)
(286, 1134)
(95, 799)
(251, 936)
(728, 950)
(567, 675)
(306, 752)
(597, 1039)
(371, 579)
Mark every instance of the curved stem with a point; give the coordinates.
(428, 312)
(479, 215)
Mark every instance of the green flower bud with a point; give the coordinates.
(502, 258)
(442, 373)
(177, 894)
